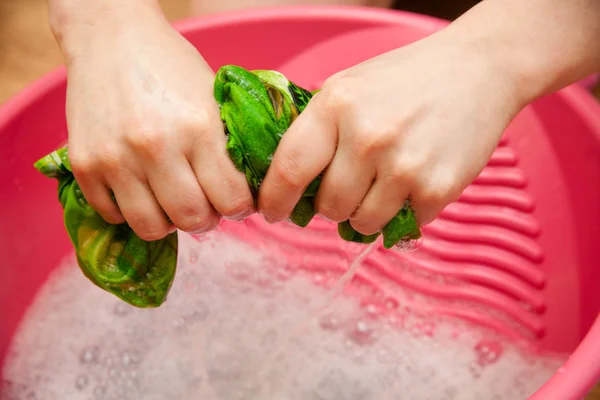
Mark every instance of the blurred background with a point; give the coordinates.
(28, 49)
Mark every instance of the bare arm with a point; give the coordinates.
(79, 25)
(543, 44)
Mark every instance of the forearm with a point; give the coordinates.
(79, 24)
(543, 45)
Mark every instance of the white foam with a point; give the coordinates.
(228, 308)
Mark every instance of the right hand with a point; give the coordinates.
(144, 125)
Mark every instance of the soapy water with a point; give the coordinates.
(239, 325)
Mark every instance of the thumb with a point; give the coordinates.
(305, 150)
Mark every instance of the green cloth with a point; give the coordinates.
(112, 256)
(257, 107)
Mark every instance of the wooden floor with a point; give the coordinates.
(28, 50)
(27, 47)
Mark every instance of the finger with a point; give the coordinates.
(94, 188)
(343, 187)
(386, 197)
(427, 213)
(303, 153)
(179, 194)
(139, 207)
(225, 187)
(98, 195)
(430, 197)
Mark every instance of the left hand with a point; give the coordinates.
(419, 122)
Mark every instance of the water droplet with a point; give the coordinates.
(427, 329)
(391, 304)
(358, 356)
(363, 332)
(197, 314)
(125, 359)
(122, 309)
(475, 369)
(319, 278)
(179, 325)
(131, 383)
(89, 356)
(385, 356)
(193, 256)
(81, 382)
(199, 237)
(264, 280)
(488, 352)
(190, 286)
(99, 392)
(372, 309)
(329, 322)
(283, 274)
(238, 271)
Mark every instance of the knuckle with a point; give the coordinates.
(274, 210)
(364, 226)
(332, 213)
(147, 228)
(288, 170)
(195, 223)
(406, 170)
(371, 139)
(196, 122)
(189, 214)
(82, 163)
(337, 95)
(441, 190)
(151, 233)
(110, 215)
(109, 157)
(149, 144)
(235, 207)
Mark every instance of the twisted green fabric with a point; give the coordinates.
(113, 257)
(257, 107)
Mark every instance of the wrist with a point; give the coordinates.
(80, 24)
(484, 69)
(536, 46)
(500, 61)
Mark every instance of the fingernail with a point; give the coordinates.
(270, 220)
(172, 229)
(211, 225)
(325, 218)
(240, 216)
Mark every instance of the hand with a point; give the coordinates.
(419, 122)
(143, 123)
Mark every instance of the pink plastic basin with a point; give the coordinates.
(522, 239)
